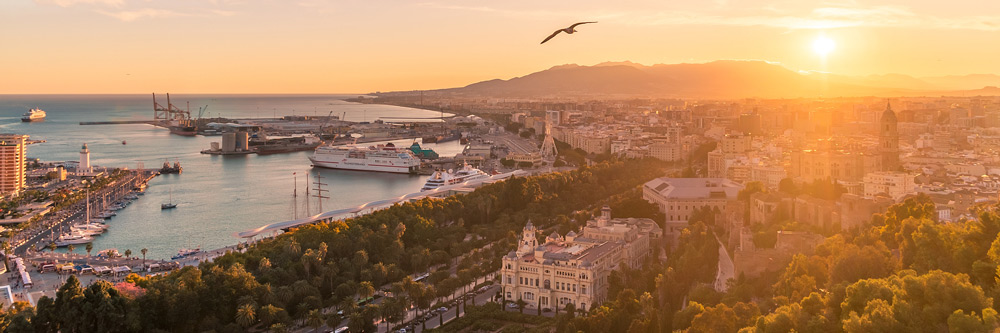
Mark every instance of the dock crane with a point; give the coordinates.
(201, 111)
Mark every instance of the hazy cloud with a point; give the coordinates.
(132, 15)
(834, 15)
(69, 3)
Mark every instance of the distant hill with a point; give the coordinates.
(718, 79)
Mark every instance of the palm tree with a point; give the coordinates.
(366, 290)
(52, 247)
(128, 253)
(143, 256)
(70, 248)
(245, 315)
(294, 246)
(90, 247)
(315, 320)
(5, 246)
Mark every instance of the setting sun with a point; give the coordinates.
(824, 45)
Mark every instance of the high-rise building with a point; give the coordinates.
(12, 158)
(888, 140)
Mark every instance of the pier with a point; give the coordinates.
(335, 214)
(51, 226)
(117, 122)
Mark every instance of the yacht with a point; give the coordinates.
(72, 239)
(445, 178)
(35, 114)
(184, 253)
(384, 158)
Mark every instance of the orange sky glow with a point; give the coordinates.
(357, 46)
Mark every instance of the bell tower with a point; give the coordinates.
(888, 140)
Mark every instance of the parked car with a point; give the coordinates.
(442, 309)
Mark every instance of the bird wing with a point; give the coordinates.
(550, 36)
(574, 25)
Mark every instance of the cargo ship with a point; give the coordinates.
(382, 158)
(35, 114)
(185, 130)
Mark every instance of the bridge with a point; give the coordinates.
(333, 214)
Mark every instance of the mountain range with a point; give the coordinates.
(720, 79)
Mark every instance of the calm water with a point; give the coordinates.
(217, 196)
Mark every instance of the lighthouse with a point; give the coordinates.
(84, 160)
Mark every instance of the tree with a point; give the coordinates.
(128, 253)
(521, 304)
(5, 246)
(144, 250)
(366, 290)
(314, 319)
(70, 248)
(245, 315)
(90, 247)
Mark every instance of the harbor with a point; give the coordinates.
(216, 196)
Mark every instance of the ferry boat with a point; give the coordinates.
(383, 158)
(445, 178)
(184, 253)
(35, 114)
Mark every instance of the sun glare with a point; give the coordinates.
(823, 45)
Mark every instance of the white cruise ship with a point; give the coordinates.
(35, 114)
(383, 158)
(445, 178)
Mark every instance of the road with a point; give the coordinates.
(76, 213)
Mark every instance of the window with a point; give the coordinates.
(583, 289)
(548, 285)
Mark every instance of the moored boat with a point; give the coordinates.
(382, 158)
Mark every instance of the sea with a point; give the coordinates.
(216, 196)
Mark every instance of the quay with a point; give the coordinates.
(331, 215)
(117, 122)
(50, 226)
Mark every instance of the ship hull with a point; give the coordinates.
(28, 120)
(264, 150)
(184, 131)
(361, 166)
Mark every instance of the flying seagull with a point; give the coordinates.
(569, 30)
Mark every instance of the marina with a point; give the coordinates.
(217, 196)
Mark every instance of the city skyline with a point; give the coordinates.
(229, 46)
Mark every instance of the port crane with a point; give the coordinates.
(201, 111)
(169, 113)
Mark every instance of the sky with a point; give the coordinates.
(360, 46)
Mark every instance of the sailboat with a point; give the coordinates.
(170, 204)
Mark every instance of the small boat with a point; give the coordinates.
(184, 253)
(123, 142)
(170, 204)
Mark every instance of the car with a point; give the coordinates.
(442, 309)
(511, 305)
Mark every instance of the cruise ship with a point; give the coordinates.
(383, 158)
(35, 114)
(445, 178)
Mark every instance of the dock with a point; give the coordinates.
(117, 122)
